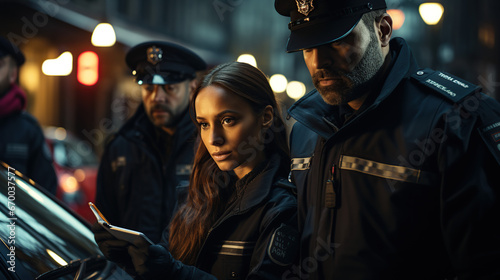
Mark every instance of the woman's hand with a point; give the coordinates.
(113, 249)
(150, 261)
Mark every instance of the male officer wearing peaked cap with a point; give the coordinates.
(397, 167)
(146, 166)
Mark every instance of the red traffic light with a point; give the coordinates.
(88, 68)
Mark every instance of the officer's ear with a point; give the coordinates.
(193, 84)
(13, 70)
(267, 116)
(384, 29)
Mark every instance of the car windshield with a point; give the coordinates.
(42, 233)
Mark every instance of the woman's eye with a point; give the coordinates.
(203, 125)
(227, 121)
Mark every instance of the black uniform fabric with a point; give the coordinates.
(143, 173)
(407, 188)
(256, 237)
(22, 143)
(23, 147)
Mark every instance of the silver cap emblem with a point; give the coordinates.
(304, 6)
(154, 55)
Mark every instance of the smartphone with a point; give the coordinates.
(120, 233)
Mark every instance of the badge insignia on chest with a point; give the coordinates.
(119, 161)
(304, 6)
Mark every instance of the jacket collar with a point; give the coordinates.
(311, 110)
(13, 101)
(258, 185)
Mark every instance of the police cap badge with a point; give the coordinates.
(317, 22)
(158, 62)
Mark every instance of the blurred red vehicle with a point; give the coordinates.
(76, 168)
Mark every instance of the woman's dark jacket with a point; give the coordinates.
(256, 237)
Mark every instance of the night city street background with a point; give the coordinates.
(465, 42)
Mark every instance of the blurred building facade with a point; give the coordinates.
(465, 43)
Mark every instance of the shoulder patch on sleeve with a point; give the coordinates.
(451, 87)
(491, 136)
(283, 246)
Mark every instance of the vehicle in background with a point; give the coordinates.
(76, 168)
(42, 238)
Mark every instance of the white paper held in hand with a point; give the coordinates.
(118, 232)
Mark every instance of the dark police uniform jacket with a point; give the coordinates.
(142, 172)
(408, 188)
(256, 237)
(23, 146)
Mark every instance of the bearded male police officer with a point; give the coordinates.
(397, 167)
(151, 155)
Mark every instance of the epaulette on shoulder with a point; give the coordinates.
(452, 88)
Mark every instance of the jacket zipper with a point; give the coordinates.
(232, 214)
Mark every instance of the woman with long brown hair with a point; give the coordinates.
(240, 217)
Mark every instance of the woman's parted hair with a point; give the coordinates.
(209, 186)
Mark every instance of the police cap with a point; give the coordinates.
(8, 48)
(158, 62)
(317, 22)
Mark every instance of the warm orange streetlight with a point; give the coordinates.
(295, 89)
(247, 58)
(398, 18)
(278, 83)
(431, 13)
(60, 66)
(103, 35)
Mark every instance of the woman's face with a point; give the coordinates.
(230, 130)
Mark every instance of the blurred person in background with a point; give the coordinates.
(397, 167)
(22, 144)
(146, 165)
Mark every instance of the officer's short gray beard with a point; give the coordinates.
(354, 84)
